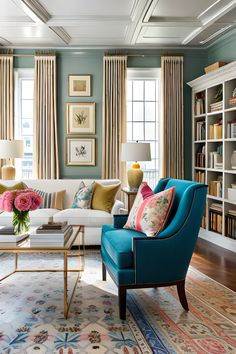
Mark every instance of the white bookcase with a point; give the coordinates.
(213, 142)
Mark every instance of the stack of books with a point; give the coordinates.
(217, 106)
(7, 235)
(51, 235)
(232, 101)
(231, 129)
(215, 130)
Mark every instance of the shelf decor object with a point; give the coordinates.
(10, 149)
(214, 151)
(135, 152)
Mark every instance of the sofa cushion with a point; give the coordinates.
(104, 196)
(86, 217)
(118, 245)
(37, 217)
(16, 186)
(53, 200)
(83, 196)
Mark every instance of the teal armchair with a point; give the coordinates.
(134, 260)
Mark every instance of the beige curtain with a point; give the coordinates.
(114, 116)
(6, 99)
(46, 141)
(173, 126)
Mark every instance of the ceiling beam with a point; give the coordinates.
(34, 10)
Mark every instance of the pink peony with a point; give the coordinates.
(36, 200)
(23, 202)
(7, 201)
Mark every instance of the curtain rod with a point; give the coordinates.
(26, 55)
(144, 55)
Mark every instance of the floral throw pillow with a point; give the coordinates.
(83, 196)
(150, 211)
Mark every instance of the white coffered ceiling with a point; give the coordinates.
(113, 23)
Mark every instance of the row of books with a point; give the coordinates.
(215, 217)
(215, 160)
(231, 129)
(51, 234)
(200, 131)
(215, 130)
(217, 106)
(215, 188)
(230, 224)
(199, 106)
(200, 159)
(200, 176)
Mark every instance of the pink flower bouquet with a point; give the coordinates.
(20, 202)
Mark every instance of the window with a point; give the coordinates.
(24, 106)
(143, 117)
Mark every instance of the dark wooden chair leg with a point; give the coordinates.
(182, 295)
(122, 302)
(104, 272)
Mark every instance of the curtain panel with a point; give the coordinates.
(173, 125)
(46, 140)
(114, 116)
(6, 99)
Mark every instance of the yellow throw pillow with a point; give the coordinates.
(104, 196)
(16, 186)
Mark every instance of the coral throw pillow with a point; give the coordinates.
(150, 211)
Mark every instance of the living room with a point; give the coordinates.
(156, 80)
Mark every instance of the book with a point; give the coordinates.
(41, 240)
(60, 231)
(51, 234)
(12, 239)
(7, 230)
(53, 225)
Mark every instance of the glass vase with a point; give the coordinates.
(20, 221)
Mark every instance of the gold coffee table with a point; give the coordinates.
(25, 247)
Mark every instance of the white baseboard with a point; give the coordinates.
(218, 239)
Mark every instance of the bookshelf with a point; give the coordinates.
(214, 141)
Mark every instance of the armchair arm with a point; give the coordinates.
(118, 205)
(119, 221)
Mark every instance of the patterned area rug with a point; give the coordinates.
(31, 314)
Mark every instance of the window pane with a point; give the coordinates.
(129, 111)
(150, 111)
(27, 108)
(27, 89)
(28, 144)
(138, 111)
(129, 90)
(138, 90)
(150, 131)
(150, 92)
(138, 131)
(27, 127)
(129, 131)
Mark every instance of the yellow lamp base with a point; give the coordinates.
(135, 176)
(8, 172)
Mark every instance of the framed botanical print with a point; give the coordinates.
(80, 118)
(80, 85)
(80, 151)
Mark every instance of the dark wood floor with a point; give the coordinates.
(216, 262)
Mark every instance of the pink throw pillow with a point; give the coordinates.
(150, 211)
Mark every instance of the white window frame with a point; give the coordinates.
(19, 74)
(145, 74)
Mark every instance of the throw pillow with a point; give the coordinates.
(16, 186)
(104, 196)
(150, 211)
(53, 200)
(83, 196)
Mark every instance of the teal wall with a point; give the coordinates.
(90, 62)
(224, 49)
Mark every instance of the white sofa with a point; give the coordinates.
(90, 218)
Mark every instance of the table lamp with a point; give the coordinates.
(135, 152)
(10, 149)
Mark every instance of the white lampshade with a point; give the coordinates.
(135, 152)
(11, 149)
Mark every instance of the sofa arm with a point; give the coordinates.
(119, 221)
(116, 207)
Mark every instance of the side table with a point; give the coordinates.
(130, 196)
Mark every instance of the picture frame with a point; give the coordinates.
(79, 85)
(80, 151)
(80, 118)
